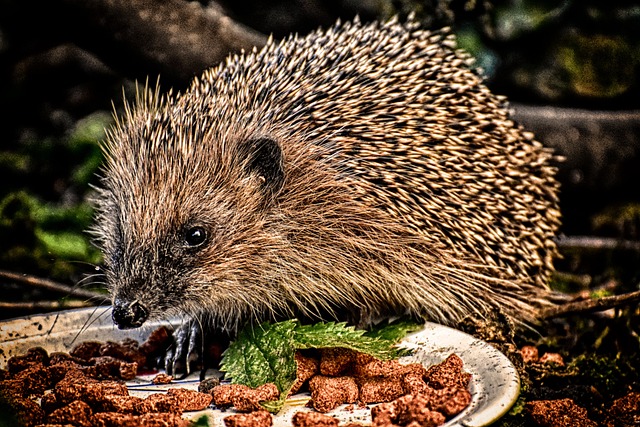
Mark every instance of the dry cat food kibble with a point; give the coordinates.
(410, 392)
(313, 419)
(242, 397)
(85, 387)
(259, 418)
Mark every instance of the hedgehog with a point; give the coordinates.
(359, 172)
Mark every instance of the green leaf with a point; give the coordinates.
(394, 331)
(262, 354)
(331, 334)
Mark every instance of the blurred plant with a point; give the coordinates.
(47, 237)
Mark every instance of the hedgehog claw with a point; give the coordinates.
(184, 351)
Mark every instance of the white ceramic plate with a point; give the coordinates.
(494, 386)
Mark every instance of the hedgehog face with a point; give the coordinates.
(186, 233)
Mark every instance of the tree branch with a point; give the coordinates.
(591, 305)
(50, 285)
(597, 243)
(175, 39)
(43, 305)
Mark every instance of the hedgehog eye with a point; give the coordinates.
(195, 236)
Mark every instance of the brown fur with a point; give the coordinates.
(405, 187)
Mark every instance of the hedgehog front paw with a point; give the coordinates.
(194, 348)
(186, 349)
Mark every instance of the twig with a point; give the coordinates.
(591, 305)
(597, 243)
(44, 305)
(50, 285)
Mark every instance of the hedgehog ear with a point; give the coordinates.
(264, 158)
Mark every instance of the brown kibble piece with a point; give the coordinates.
(558, 413)
(27, 412)
(415, 409)
(244, 398)
(330, 392)
(76, 413)
(306, 368)
(448, 374)
(113, 419)
(529, 354)
(335, 361)
(123, 404)
(449, 400)
(34, 356)
(381, 389)
(76, 386)
(259, 418)
(160, 402)
(110, 367)
(627, 408)
(35, 379)
(114, 388)
(413, 383)
(126, 351)
(157, 342)
(86, 350)
(384, 368)
(224, 393)
(408, 410)
(552, 359)
(313, 419)
(49, 402)
(59, 369)
(162, 379)
(190, 400)
(62, 357)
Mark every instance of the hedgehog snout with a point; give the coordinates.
(129, 314)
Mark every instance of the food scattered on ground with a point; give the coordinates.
(626, 410)
(558, 413)
(552, 358)
(162, 378)
(530, 354)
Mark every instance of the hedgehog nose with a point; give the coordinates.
(128, 315)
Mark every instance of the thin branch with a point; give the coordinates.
(597, 243)
(591, 305)
(44, 305)
(50, 285)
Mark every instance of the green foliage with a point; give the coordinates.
(44, 211)
(394, 331)
(262, 354)
(44, 236)
(607, 374)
